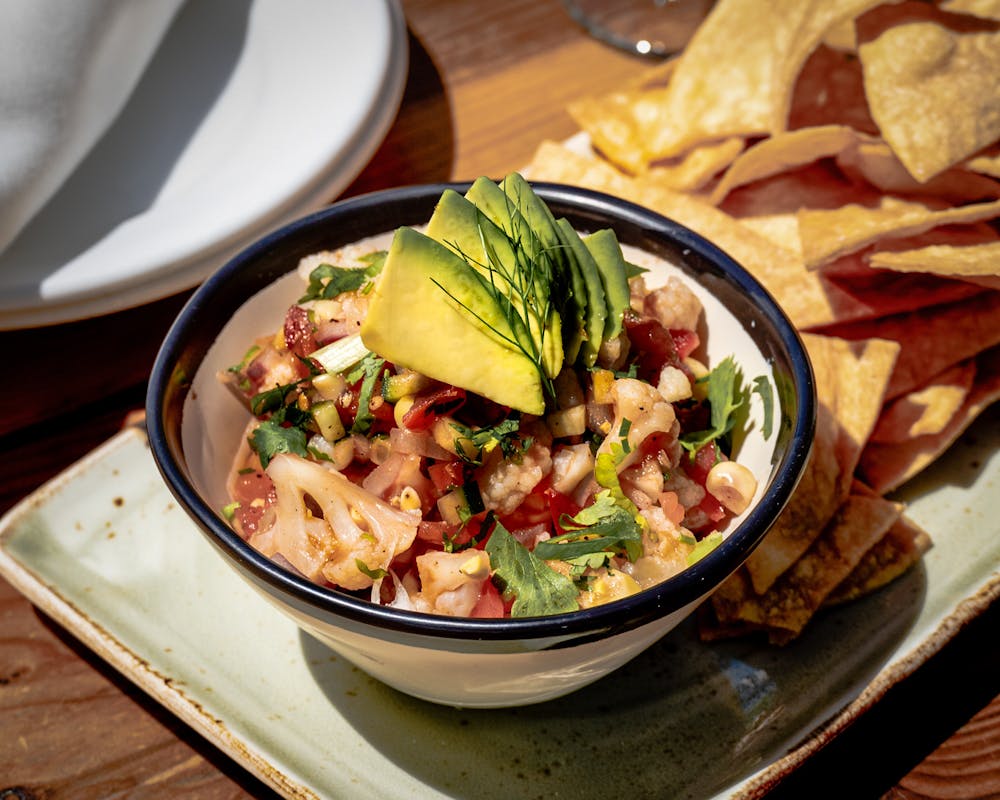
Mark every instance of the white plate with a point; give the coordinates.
(252, 112)
(106, 552)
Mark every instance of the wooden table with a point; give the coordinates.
(488, 81)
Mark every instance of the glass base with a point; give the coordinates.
(651, 28)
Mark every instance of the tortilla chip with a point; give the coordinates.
(830, 91)
(736, 75)
(978, 264)
(934, 93)
(697, 167)
(781, 152)
(901, 548)
(932, 339)
(819, 185)
(829, 234)
(802, 294)
(786, 607)
(875, 163)
(613, 123)
(886, 467)
(925, 411)
(850, 381)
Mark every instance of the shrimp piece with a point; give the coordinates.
(664, 552)
(571, 464)
(646, 411)
(451, 583)
(504, 483)
(324, 524)
(674, 305)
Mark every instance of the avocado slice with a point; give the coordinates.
(422, 315)
(570, 283)
(535, 263)
(607, 252)
(597, 311)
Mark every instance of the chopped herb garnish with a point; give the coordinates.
(537, 589)
(484, 440)
(374, 574)
(327, 281)
(371, 369)
(602, 527)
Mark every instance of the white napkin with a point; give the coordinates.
(67, 68)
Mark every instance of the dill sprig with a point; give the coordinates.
(522, 290)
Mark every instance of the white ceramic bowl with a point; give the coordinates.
(195, 426)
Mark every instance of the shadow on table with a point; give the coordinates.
(684, 719)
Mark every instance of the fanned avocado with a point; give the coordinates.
(568, 281)
(419, 317)
(607, 252)
(597, 310)
(535, 270)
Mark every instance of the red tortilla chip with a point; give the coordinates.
(886, 467)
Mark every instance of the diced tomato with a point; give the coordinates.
(703, 461)
(534, 510)
(685, 341)
(712, 508)
(559, 505)
(446, 475)
(426, 409)
(653, 346)
(437, 532)
(299, 331)
(490, 604)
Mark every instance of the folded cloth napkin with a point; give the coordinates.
(67, 69)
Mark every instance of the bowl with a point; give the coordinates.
(195, 426)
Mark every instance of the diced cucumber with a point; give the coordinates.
(407, 382)
(328, 420)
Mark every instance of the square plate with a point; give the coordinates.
(106, 552)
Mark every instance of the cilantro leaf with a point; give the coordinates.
(725, 396)
(371, 368)
(537, 588)
(271, 437)
(485, 440)
(603, 527)
(327, 281)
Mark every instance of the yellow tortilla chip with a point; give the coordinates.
(851, 378)
(927, 410)
(737, 74)
(934, 93)
(829, 234)
(613, 123)
(697, 167)
(874, 162)
(979, 263)
(932, 339)
(902, 546)
(786, 607)
(886, 467)
(781, 152)
(809, 300)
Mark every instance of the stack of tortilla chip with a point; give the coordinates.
(847, 153)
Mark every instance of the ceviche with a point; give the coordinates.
(488, 416)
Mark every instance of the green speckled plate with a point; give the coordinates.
(105, 551)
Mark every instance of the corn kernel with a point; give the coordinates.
(409, 500)
(403, 405)
(476, 567)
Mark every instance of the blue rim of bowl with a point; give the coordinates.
(634, 224)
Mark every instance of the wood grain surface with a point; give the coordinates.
(488, 81)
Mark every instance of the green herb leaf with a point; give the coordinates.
(484, 440)
(725, 395)
(364, 569)
(603, 526)
(327, 281)
(371, 367)
(537, 588)
(271, 437)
